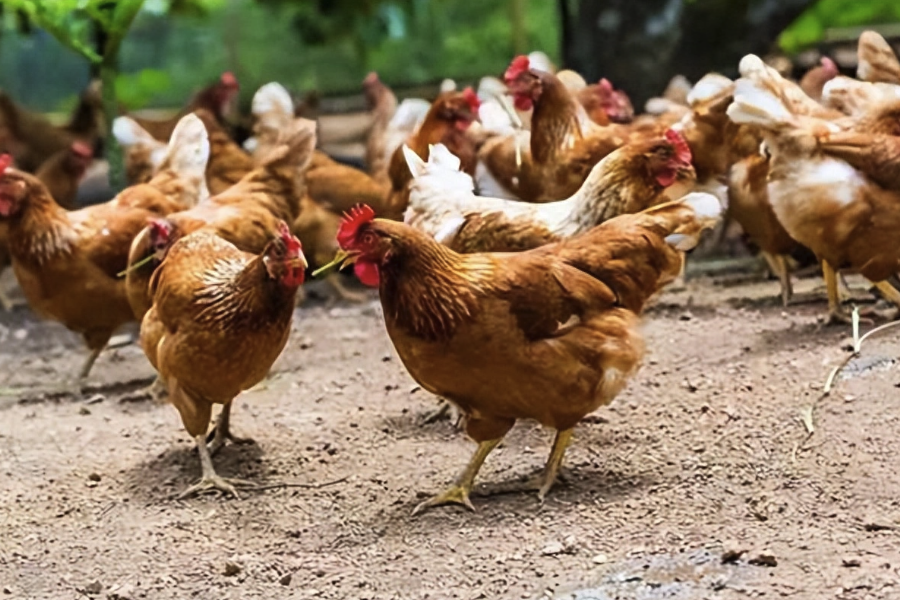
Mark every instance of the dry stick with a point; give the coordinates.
(806, 413)
(310, 486)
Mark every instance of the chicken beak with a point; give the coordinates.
(299, 261)
(341, 260)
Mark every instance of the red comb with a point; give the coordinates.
(472, 99)
(82, 149)
(829, 65)
(229, 79)
(159, 228)
(292, 243)
(352, 221)
(6, 162)
(682, 150)
(605, 85)
(519, 65)
(371, 78)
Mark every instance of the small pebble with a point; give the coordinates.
(94, 587)
(232, 569)
(286, 579)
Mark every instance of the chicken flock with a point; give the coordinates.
(514, 233)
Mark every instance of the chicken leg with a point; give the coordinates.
(209, 479)
(889, 292)
(835, 314)
(554, 462)
(458, 493)
(222, 432)
(778, 264)
(89, 364)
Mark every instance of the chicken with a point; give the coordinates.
(815, 79)
(142, 152)
(246, 215)
(67, 262)
(748, 195)
(634, 177)
(227, 163)
(564, 143)
(836, 210)
(450, 116)
(382, 104)
(334, 186)
(604, 104)
(60, 174)
(854, 98)
(31, 139)
(877, 62)
(749, 206)
(220, 318)
(550, 334)
(179, 181)
(217, 98)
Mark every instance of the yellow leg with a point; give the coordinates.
(835, 314)
(89, 364)
(554, 462)
(888, 291)
(222, 432)
(458, 493)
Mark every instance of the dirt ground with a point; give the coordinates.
(704, 456)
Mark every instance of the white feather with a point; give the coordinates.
(757, 106)
(708, 87)
(129, 133)
(272, 97)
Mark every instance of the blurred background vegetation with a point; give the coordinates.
(175, 46)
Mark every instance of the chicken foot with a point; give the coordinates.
(222, 432)
(458, 493)
(6, 302)
(778, 264)
(209, 479)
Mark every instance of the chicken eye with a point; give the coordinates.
(367, 238)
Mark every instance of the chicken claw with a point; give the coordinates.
(554, 462)
(222, 432)
(458, 493)
(210, 480)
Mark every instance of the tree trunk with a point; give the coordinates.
(640, 45)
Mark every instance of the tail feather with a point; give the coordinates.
(877, 61)
(710, 86)
(187, 155)
(756, 105)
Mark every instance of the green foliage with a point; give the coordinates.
(810, 28)
(135, 90)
